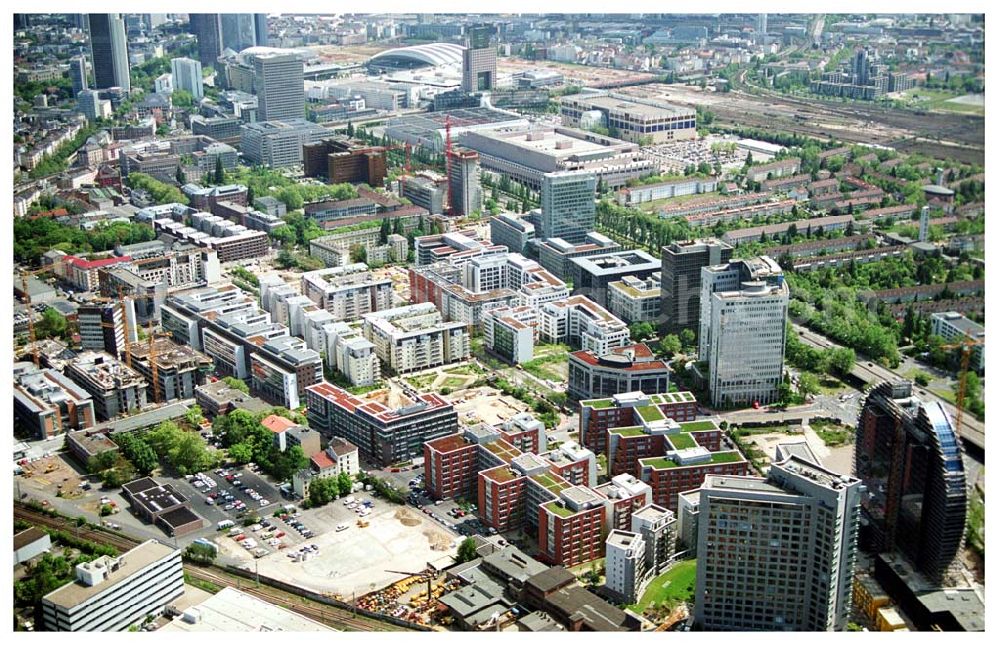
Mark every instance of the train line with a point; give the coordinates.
(327, 614)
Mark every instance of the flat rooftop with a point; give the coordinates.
(132, 562)
(231, 610)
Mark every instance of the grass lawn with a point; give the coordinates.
(675, 585)
(421, 381)
(938, 100)
(552, 367)
(830, 385)
(660, 203)
(454, 382)
(833, 434)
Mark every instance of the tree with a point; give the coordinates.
(467, 551)
(194, 416)
(687, 338)
(749, 160)
(670, 345)
(102, 461)
(808, 384)
(220, 174)
(181, 178)
(284, 234)
(344, 483)
(285, 464)
(841, 360)
(241, 453)
(139, 452)
(641, 330)
(236, 384)
(922, 379)
(52, 325)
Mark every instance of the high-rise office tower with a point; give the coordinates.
(479, 60)
(744, 307)
(568, 207)
(680, 269)
(109, 51)
(761, 23)
(238, 31)
(207, 28)
(78, 73)
(777, 554)
(260, 28)
(466, 190)
(187, 76)
(908, 455)
(861, 67)
(279, 85)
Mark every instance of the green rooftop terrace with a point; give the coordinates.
(721, 457)
(672, 397)
(698, 426)
(681, 441)
(598, 403)
(650, 413)
(552, 483)
(628, 431)
(558, 509)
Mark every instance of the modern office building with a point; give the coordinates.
(568, 207)
(909, 456)
(744, 312)
(680, 277)
(556, 255)
(526, 154)
(223, 129)
(956, 327)
(280, 90)
(423, 191)
(238, 31)
(109, 52)
(636, 300)
(113, 593)
(278, 143)
(511, 231)
(583, 324)
(414, 337)
(631, 368)
(385, 432)
(479, 59)
(187, 76)
(463, 180)
(47, 403)
(260, 29)
(103, 326)
(592, 275)
(777, 554)
(630, 118)
(341, 160)
(78, 73)
(207, 29)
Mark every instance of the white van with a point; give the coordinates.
(226, 524)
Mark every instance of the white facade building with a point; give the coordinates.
(113, 593)
(625, 565)
(744, 308)
(413, 337)
(187, 76)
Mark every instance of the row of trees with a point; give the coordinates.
(160, 192)
(32, 237)
(57, 162)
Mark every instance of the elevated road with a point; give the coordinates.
(973, 431)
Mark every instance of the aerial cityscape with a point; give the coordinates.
(499, 322)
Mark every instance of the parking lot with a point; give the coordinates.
(354, 560)
(216, 512)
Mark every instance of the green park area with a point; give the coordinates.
(672, 587)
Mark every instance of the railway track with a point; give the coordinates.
(324, 613)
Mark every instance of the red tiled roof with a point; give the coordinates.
(449, 443)
(96, 263)
(277, 423)
(322, 461)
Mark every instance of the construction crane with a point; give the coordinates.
(966, 345)
(430, 578)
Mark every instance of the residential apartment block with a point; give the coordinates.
(47, 403)
(598, 416)
(115, 388)
(384, 431)
(413, 337)
(636, 300)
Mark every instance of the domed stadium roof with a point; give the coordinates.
(431, 54)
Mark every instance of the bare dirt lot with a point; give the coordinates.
(356, 560)
(486, 405)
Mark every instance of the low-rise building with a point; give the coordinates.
(598, 416)
(629, 368)
(955, 326)
(30, 543)
(86, 444)
(217, 398)
(113, 593)
(162, 505)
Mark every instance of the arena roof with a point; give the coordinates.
(430, 53)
